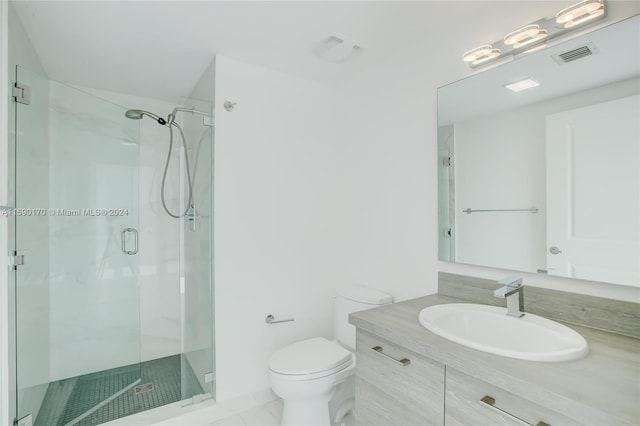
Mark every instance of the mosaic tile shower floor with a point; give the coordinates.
(68, 399)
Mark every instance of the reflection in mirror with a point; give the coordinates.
(547, 179)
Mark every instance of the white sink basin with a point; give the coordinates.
(490, 329)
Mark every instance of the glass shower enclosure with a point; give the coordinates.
(78, 306)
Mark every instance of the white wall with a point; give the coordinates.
(388, 166)
(276, 218)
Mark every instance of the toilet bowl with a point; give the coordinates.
(306, 376)
(315, 377)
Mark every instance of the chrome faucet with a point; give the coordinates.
(512, 290)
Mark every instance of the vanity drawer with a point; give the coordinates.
(469, 401)
(412, 385)
(375, 407)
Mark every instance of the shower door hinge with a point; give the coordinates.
(21, 93)
(209, 377)
(15, 260)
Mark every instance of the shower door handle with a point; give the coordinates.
(123, 236)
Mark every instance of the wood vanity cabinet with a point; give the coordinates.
(395, 386)
(469, 401)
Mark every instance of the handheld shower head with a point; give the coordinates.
(137, 114)
(134, 114)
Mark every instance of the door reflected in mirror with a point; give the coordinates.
(547, 179)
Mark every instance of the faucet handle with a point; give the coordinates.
(501, 292)
(511, 282)
(509, 286)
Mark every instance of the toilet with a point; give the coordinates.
(315, 377)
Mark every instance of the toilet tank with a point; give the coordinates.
(353, 299)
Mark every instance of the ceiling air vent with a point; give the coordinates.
(575, 54)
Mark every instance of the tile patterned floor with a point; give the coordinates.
(67, 399)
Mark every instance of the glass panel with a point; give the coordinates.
(77, 297)
(446, 200)
(197, 274)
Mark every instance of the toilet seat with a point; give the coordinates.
(310, 359)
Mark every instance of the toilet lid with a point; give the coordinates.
(309, 356)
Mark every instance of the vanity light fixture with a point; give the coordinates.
(521, 85)
(536, 48)
(579, 13)
(480, 54)
(535, 36)
(525, 36)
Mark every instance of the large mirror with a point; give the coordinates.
(547, 179)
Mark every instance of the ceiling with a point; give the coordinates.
(159, 49)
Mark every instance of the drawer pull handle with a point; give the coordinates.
(491, 401)
(403, 362)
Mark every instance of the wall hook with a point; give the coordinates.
(228, 105)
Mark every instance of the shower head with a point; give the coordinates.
(137, 114)
(134, 114)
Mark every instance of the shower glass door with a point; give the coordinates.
(76, 219)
